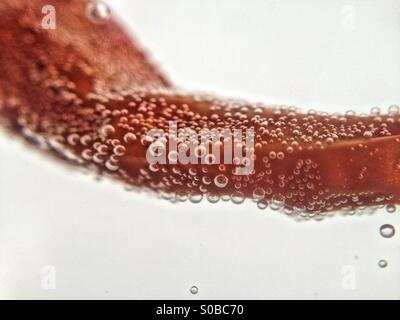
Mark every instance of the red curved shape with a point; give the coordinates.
(89, 95)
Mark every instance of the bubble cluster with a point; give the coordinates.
(93, 104)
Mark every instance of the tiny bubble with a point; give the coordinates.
(387, 231)
(382, 263)
(98, 11)
(194, 290)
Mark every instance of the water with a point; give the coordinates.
(118, 238)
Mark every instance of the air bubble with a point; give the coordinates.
(225, 197)
(262, 204)
(329, 140)
(221, 181)
(277, 202)
(98, 11)
(194, 290)
(107, 130)
(206, 180)
(258, 194)
(181, 196)
(288, 210)
(382, 263)
(212, 198)
(154, 167)
(375, 111)
(387, 231)
(237, 197)
(129, 137)
(272, 155)
(390, 208)
(367, 134)
(393, 110)
(195, 198)
(73, 139)
(119, 150)
(111, 166)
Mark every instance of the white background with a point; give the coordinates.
(105, 242)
